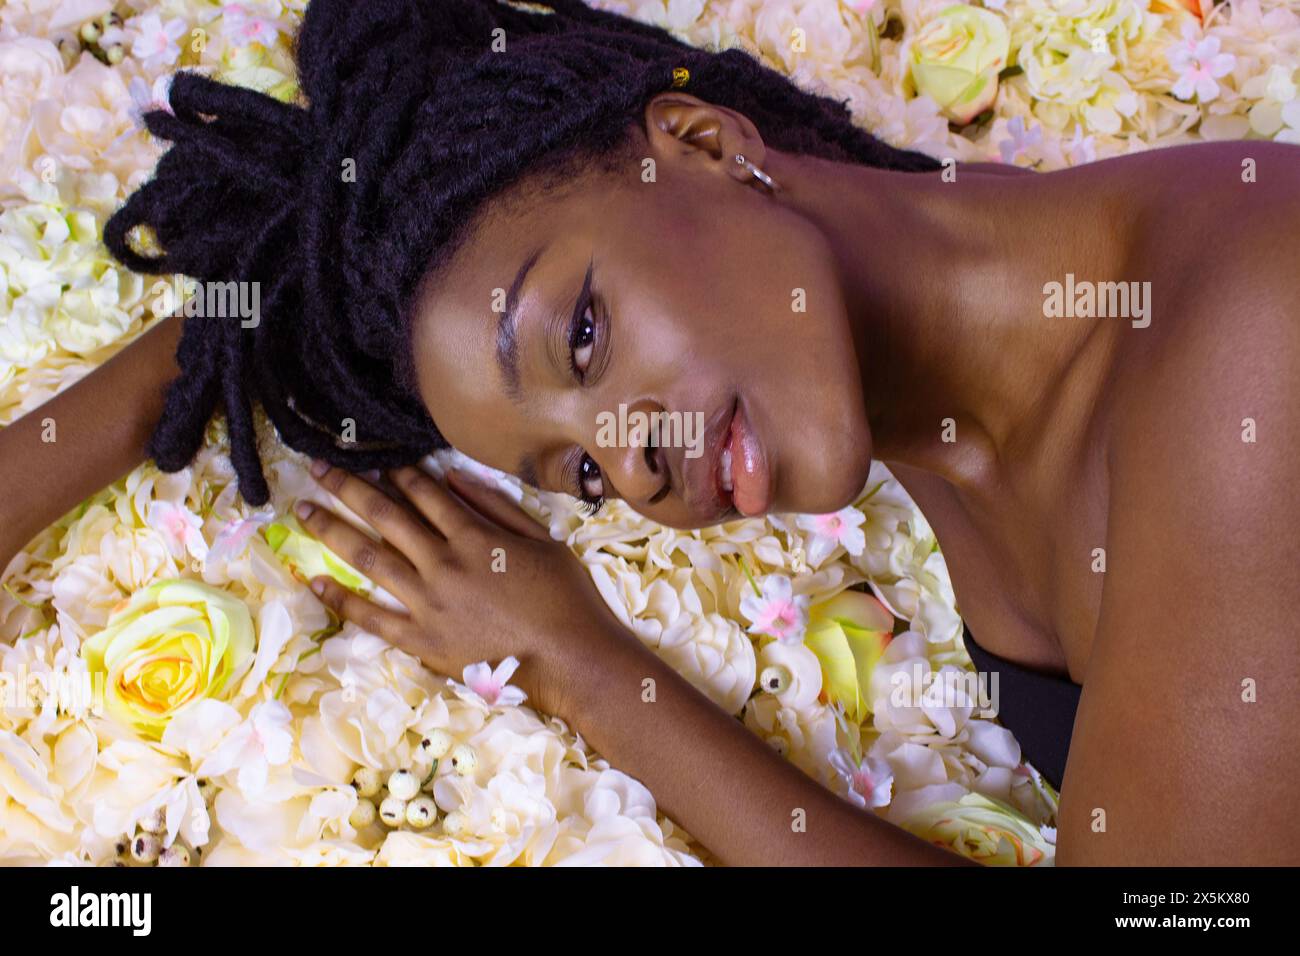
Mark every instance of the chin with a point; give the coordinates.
(837, 488)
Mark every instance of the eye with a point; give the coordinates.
(582, 340)
(589, 484)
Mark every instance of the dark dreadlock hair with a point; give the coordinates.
(436, 123)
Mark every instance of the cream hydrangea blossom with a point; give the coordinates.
(264, 772)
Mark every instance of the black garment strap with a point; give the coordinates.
(1038, 708)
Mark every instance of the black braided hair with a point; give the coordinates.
(435, 123)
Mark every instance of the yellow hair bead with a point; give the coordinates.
(143, 241)
(681, 76)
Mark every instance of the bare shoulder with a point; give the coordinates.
(1204, 443)
(1192, 692)
(1204, 449)
(1228, 210)
(1216, 242)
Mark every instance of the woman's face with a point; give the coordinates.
(703, 304)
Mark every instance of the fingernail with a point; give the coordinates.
(303, 509)
(319, 468)
(318, 587)
(371, 475)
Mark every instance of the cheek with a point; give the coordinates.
(780, 307)
(718, 285)
(801, 364)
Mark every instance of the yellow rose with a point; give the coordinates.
(983, 829)
(167, 646)
(956, 57)
(848, 634)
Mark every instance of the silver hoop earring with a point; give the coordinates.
(757, 173)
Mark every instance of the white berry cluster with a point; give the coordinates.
(406, 796)
(145, 846)
(102, 38)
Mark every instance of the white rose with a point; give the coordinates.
(803, 33)
(34, 823)
(808, 737)
(79, 126)
(136, 557)
(716, 656)
(30, 69)
(332, 853)
(405, 848)
(84, 595)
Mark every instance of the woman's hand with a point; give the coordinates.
(573, 653)
(481, 583)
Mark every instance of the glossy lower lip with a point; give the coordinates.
(751, 482)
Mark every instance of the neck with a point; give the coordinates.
(944, 286)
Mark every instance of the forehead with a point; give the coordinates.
(505, 232)
(459, 309)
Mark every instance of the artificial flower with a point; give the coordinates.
(308, 557)
(1200, 65)
(493, 686)
(252, 748)
(868, 781)
(155, 43)
(167, 647)
(840, 529)
(956, 57)
(776, 610)
(849, 634)
(983, 829)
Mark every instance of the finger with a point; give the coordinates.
(495, 505)
(375, 559)
(395, 523)
(442, 509)
(393, 627)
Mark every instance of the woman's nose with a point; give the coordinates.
(630, 451)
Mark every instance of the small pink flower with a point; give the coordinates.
(1023, 144)
(234, 537)
(869, 781)
(156, 45)
(1199, 63)
(493, 685)
(262, 741)
(841, 528)
(242, 27)
(179, 527)
(777, 610)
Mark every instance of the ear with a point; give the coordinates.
(681, 126)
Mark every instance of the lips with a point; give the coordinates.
(743, 471)
(732, 476)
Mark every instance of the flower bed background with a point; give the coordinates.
(277, 725)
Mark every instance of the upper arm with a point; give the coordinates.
(1189, 723)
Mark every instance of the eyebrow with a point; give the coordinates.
(508, 328)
